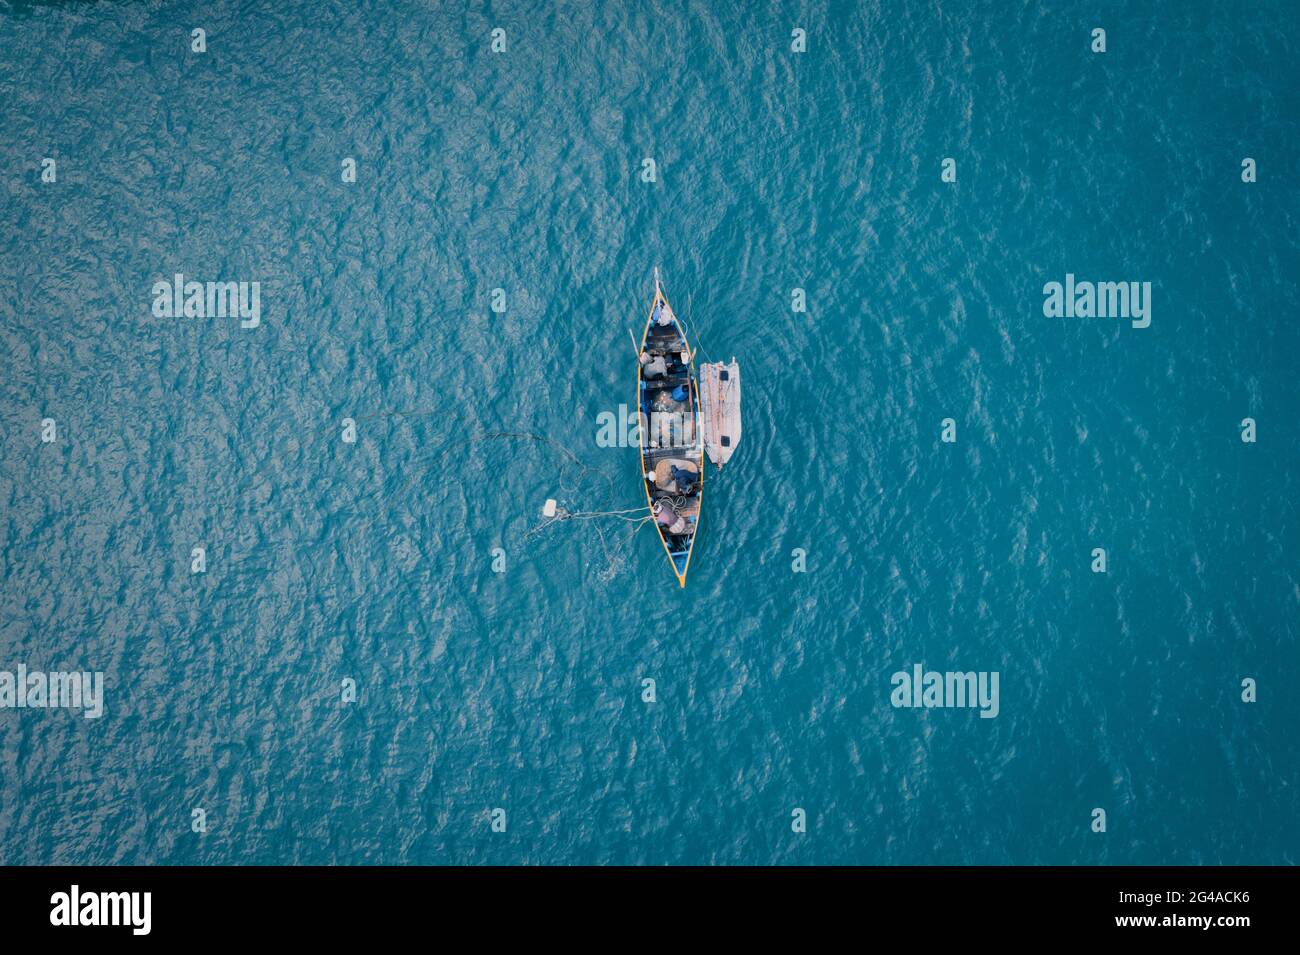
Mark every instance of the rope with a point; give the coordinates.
(690, 302)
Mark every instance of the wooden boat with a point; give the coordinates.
(720, 409)
(672, 451)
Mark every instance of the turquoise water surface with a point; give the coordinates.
(845, 542)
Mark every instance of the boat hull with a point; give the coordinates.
(720, 409)
(671, 442)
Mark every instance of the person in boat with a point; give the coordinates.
(684, 479)
(673, 522)
(654, 367)
(661, 315)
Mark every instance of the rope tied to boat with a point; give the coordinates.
(563, 514)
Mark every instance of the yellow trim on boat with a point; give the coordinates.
(696, 435)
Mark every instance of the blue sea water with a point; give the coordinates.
(523, 690)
